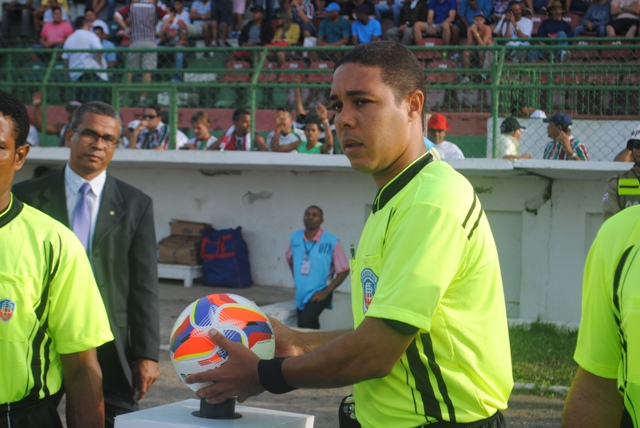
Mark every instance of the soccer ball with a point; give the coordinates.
(239, 319)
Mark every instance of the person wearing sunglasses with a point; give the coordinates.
(152, 133)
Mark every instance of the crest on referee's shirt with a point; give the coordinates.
(7, 308)
(369, 282)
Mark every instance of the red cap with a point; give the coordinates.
(438, 122)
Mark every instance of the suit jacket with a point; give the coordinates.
(124, 263)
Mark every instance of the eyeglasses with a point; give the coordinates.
(88, 136)
(149, 116)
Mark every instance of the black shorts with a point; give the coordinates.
(221, 10)
(621, 26)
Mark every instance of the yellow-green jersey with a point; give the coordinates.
(609, 336)
(427, 264)
(49, 303)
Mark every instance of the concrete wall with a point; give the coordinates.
(544, 214)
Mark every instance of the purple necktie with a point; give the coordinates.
(82, 216)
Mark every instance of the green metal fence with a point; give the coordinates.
(593, 80)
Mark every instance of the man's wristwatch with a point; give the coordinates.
(574, 156)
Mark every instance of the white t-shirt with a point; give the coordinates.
(206, 144)
(507, 145)
(525, 25)
(538, 114)
(33, 139)
(448, 151)
(291, 137)
(83, 39)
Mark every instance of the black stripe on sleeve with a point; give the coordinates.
(473, 207)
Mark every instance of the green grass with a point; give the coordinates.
(542, 354)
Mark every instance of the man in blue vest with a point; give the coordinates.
(319, 266)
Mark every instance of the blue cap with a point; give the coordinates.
(559, 119)
(333, 7)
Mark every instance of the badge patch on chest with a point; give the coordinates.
(369, 281)
(7, 308)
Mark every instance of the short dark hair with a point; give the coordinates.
(401, 70)
(94, 107)
(79, 22)
(54, 8)
(239, 112)
(14, 110)
(316, 207)
(200, 117)
(155, 108)
(89, 9)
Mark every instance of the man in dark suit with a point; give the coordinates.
(115, 223)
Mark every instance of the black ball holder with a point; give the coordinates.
(224, 410)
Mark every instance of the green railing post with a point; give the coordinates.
(173, 115)
(495, 97)
(254, 91)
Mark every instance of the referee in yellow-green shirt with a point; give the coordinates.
(51, 314)
(606, 389)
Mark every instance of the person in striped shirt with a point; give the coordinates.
(564, 145)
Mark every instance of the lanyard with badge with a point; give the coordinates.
(306, 263)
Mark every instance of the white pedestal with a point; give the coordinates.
(183, 272)
(179, 415)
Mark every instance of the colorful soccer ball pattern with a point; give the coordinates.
(239, 319)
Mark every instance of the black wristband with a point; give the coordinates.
(270, 375)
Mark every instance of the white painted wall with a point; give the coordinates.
(544, 214)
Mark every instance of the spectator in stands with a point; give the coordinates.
(220, 21)
(516, 26)
(152, 133)
(317, 124)
(17, 10)
(624, 18)
(238, 136)
(92, 19)
(258, 31)
(238, 8)
(468, 10)
(478, 34)
(524, 109)
(59, 128)
(173, 33)
(99, 5)
(596, 19)
(580, 6)
(349, 8)
(302, 13)
(412, 11)
(365, 29)
(498, 14)
(202, 140)
(144, 16)
(286, 133)
(564, 145)
(287, 34)
(335, 30)
(537, 6)
(437, 128)
(440, 19)
(55, 33)
(85, 38)
(508, 144)
(200, 21)
(44, 13)
(109, 57)
(555, 28)
(386, 8)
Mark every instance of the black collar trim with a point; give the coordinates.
(390, 190)
(15, 207)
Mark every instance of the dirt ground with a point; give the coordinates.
(524, 410)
